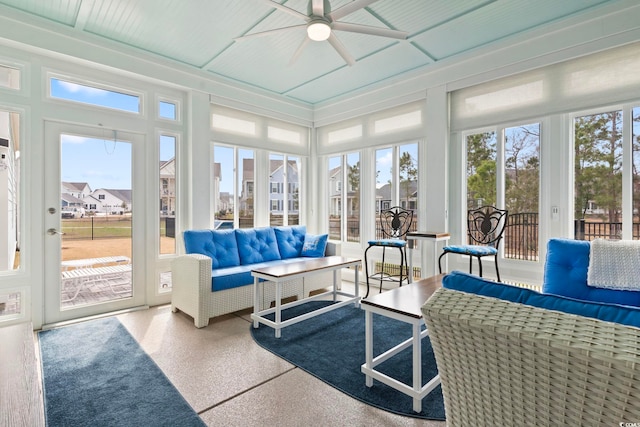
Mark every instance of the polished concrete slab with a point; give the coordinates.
(231, 381)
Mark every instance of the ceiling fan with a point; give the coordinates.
(320, 23)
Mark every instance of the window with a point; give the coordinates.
(284, 173)
(9, 77)
(344, 222)
(598, 175)
(522, 191)
(397, 177)
(519, 170)
(100, 196)
(167, 110)
(167, 196)
(233, 186)
(92, 95)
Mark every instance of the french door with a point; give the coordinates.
(93, 221)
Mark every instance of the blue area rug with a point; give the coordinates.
(331, 347)
(96, 374)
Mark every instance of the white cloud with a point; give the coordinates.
(87, 90)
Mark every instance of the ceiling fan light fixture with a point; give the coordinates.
(318, 30)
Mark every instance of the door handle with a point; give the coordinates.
(53, 232)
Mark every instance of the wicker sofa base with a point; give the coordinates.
(509, 364)
(191, 289)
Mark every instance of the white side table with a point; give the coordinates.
(433, 236)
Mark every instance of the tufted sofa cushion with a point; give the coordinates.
(565, 274)
(257, 245)
(220, 245)
(290, 240)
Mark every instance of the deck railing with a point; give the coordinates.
(520, 236)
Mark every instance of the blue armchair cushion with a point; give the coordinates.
(257, 245)
(474, 250)
(314, 245)
(597, 310)
(394, 243)
(565, 274)
(290, 240)
(220, 245)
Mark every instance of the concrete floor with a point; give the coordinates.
(231, 381)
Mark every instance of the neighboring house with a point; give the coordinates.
(223, 199)
(225, 202)
(336, 189)
(168, 187)
(246, 193)
(71, 201)
(79, 190)
(277, 187)
(108, 201)
(408, 196)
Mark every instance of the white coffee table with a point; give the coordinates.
(280, 273)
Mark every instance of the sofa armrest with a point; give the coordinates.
(191, 285)
(334, 247)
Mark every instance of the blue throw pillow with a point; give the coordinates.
(314, 245)
(290, 240)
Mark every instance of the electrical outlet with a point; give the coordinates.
(555, 213)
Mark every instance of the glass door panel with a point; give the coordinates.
(90, 222)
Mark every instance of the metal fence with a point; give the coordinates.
(521, 236)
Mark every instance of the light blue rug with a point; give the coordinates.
(96, 374)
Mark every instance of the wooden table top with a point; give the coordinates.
(408, 299)
(428, 234)
(308, 265)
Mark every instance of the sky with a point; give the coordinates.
(103, 162)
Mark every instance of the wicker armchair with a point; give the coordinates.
(508, 364)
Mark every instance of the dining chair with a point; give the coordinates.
(485, 228)
(394, 224)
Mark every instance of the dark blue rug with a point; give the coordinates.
(96, 374)
(331, 347)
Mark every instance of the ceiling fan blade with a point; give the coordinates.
(339, 47)
(350, 8)
(269, 32)
(287, 10)
(317, 6)
(366, 29)
(299, 50)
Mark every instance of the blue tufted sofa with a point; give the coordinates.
(569, 355)
(214, 276)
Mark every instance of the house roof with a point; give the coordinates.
(124, 195)
(78, 186)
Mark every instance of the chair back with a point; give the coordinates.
(395, 222)
(485, 225)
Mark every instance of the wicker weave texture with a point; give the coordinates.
(508, 364)
(191, 290)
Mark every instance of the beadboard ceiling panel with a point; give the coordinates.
(203, 34)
